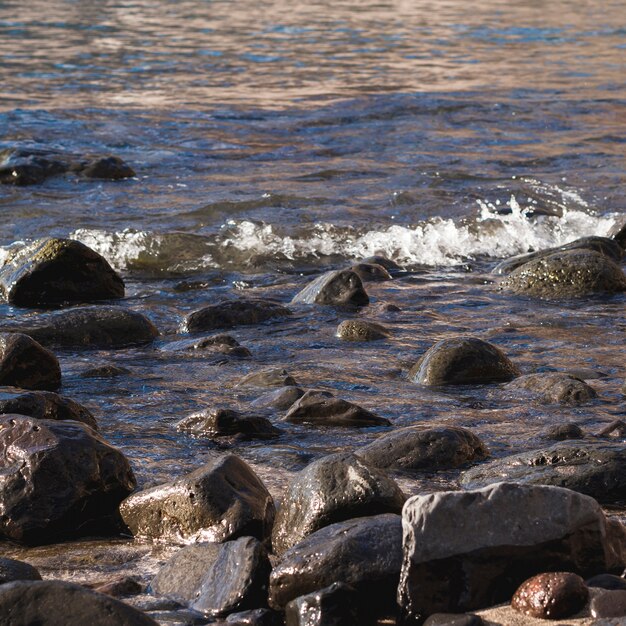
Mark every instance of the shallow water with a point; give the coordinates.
(272, 141)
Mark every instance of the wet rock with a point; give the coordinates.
(230, 313)
(273, 377)
(332, 489)
(22, 167)
(335, 605)
(217, 579)
(371, 272)
(609, 604)
(471, 550)
(555, 388)
(361, 330)
(46, 405)
(256, 617)
(221, 344)
(281, 398)
(120, 587)
(388, 264)
(552, 595)
(563, 432)
(313, 408)
(454, 619)
(25, 603)
(595, 469)
(463, 361)
(416, 448)
(341, 287)
(105, 371)
(108, 168)
(566, 274)
(227, 423)
(606, 581)
(365, 553)
(89, 326)
(222, 500)
(25, 363)
(53, 271)
(617, 232)
(11, 570)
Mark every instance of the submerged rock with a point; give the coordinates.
(227, 423)
(53, 271)
(105, 371)
(25, 363)
(370, 272)
(340, 287)
(555, 388)
(108, 168)
(332, 606)
(281, 398)
(388, 264)
(22, 167)
(11, 570)
(272, 377)
(562, 432)
(361, 330)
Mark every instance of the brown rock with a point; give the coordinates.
(27, 364)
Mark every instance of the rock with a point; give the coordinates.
(53, 271)
(59, 479)
(216, 579)
(256, 617)
(463, 361)
(609, 604)
(361, 330)
(562, 432)
(333, 606)
(566, 274)
(221, 500)
(453, 619)
(22, 167)
(109, 168)
(46, 405)
(49, 602)
(555, 388)
(471, 550)
(105, 371)
(89, 326)
(230, 313)
(25, 363)
(365, 553)
(120, 587)
(226, 423)
(606, 581)
(272, 377)
(595, 469)
(416, 448)
(312, 408)
(332, 489)
(388, 264)
(552, 595)
(281, 398)
(341, 287)
(617, 232)
(371, 272)
(11, 570)
(221, 344)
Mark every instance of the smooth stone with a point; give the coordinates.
(552, 595)
(388, 264)
(609, 604)
(226, 423)
(59, 479)
(454, 619)
(607, 581)
(221, 500)
(555, 388)
(371, 272)
(108, 168)
(416, 448)
(332, 489)
(220, 344)
(11, 570)
(596, 469)
(272, 377)
(340, 287)
(563, 432)
(230, 313)
(90, 326)
(463, 361)
(46, 405)
(617, 232)
(361, 330)
(217, 578)
(53, 271)
(470, 550)
(313, 408)
(27, 364)
(281, 398)
(52, 602)
(335, 605)
(105, 371)
(255, 617)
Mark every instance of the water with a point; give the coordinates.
(272, 141)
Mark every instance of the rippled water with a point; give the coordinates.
(272, 140)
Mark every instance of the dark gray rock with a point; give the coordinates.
(335, 605)
(313, 408)
(272, 377)
(11, 570)
(417, 448)
(453, 619)
(51, 602)
(214, 423)
(220, 344)
(596, 469)
(330, 490)
(222, 500)
(53, 271)
(108, 168)
(217, 579)
(606, 581)
(230, 313)
(59, 479)
(563, 432)
(22, 167)
(27, 364)
(371, 272)
(617, 232)
(555, 388)
(567, 274)
(463, 361)
(609, 604)
(46, 405)
(281, 398)
(88, 327)
(388, 264)
(340, 287)
(470, 550)
(105, 371)
(361, 330)
(365, 553)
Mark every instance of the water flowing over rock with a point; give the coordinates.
(227, 423)
(361, 330)
(27, 364)
(340, 287)
(555, 388)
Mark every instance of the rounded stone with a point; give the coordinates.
(27, 364)
(11, 570)
(562, 432)
(609, 604)
(555, 388)
(341, 287)
(361, 330)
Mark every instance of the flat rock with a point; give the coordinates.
(222, 500)
(555, 388)
(272, 377)
(27, 364)
(333, 606)
(340, 287)
(361, 330)
(609, 604)
(11, 570)
(281, 398)
(215, 423)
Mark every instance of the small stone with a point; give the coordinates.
(341, 287)
(609, 604)
(562, 432)
(371, 272)
(555, 388)
(273, 377)
(11, 570)
(108, 168)
(120, 587)
(361, 330)
(607, 581)
(227, 423)
(27, 364)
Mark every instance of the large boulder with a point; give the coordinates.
(555, 388)
(463, 361)
(216, 423)
(470, 550)
(59, 479)
(88, 326)
(332, 489)
(417, 448)
(597, 469)
(222, 500)
(52, 271)
(341, 287)
(27, 364)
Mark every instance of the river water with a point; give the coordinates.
(274, 140)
